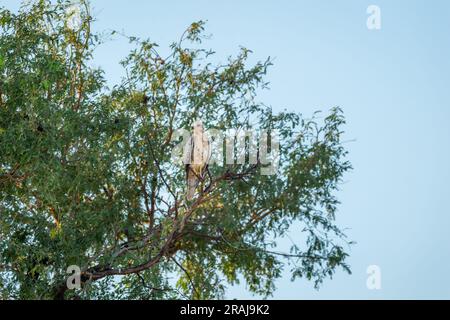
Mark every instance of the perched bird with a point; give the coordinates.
(197, 153)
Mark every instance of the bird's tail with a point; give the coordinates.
(192, 183)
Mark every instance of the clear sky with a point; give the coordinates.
(393, 85)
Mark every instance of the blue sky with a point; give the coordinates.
(393, 85)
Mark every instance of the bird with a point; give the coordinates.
(197, 153)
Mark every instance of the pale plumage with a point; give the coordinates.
(197, 154)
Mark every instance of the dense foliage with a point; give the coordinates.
(87, 176)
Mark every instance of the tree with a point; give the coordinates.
(87, 175)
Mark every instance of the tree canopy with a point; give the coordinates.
(88, 178)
